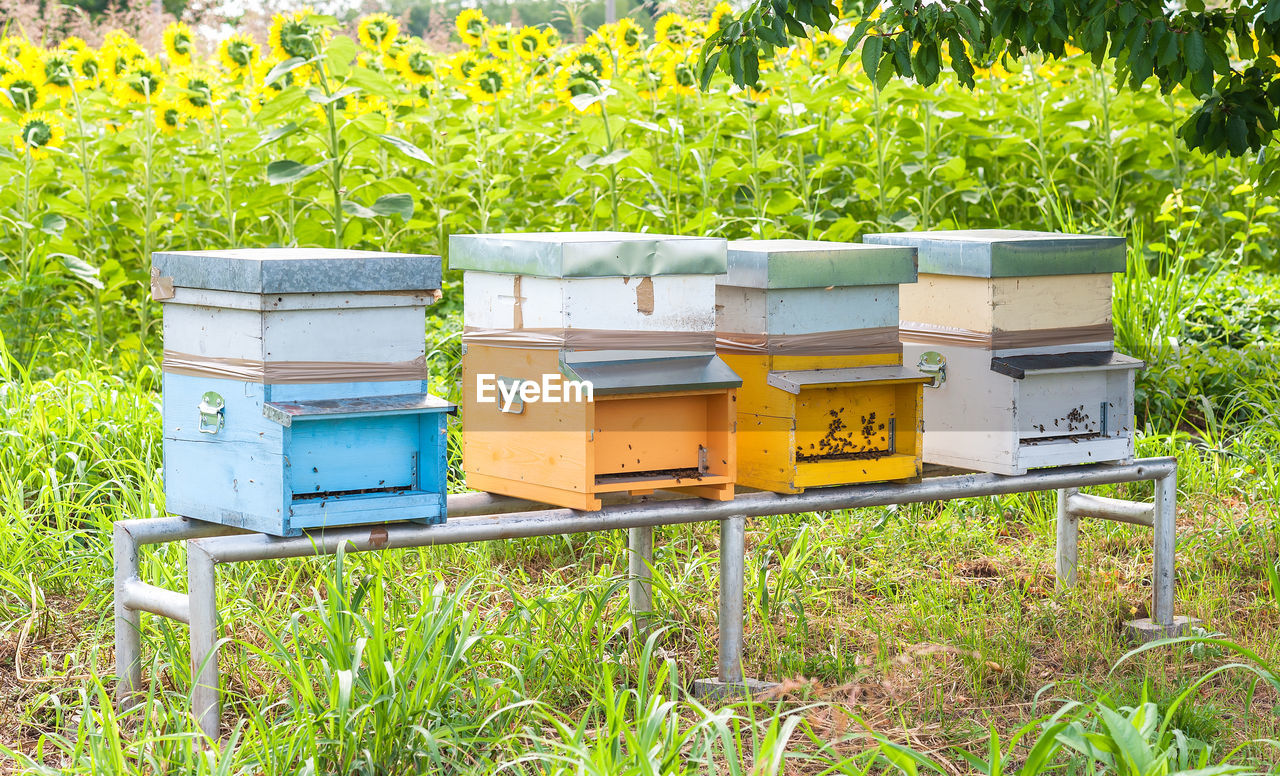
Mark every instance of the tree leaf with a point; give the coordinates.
(1193, 51)
(288, 171)
(871, 51)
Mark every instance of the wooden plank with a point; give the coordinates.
(534, 492)
(355, 510)
(817, 474)
(808, 310)
(1008, 304)
(371, 334)
(353, 454)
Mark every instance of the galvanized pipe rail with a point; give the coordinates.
(475, 517)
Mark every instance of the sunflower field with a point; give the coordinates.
(368, 139)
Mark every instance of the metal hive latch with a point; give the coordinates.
(934, 364)
(212, 411)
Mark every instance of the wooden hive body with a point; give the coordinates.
(290, 404)
(1024, 322)
(631, 314)
(811, 328)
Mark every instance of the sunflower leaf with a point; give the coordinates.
(394, 205)
(81, 269)
(53, 224)
(283, 69)
(276, 134)
(357, 210)
(289, 171)
(405, 147)
(320, 98)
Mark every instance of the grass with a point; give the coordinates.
(933, 627)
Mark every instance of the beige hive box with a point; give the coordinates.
(1023, 320)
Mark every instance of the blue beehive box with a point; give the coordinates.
(295, 388)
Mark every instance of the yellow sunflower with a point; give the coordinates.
(591, 60)
(118, 38)
(529, 43)
(73, 44)
(680, 75)
(571, 83)
(87, 67)
(377, 31)
(719, 15)
(238, 53)
(364, 106)
(116, 59)
(58, 69)
(416, 65)
(24, 91)
(677, 32)
(461, 65)
(471, 24)
(140, 82)
(169, 118)
(21, 51)
(179, 44)
(627, 35)
(37, 134)
(296, 35)
(489, 82)
(197, 93)
(501, 42)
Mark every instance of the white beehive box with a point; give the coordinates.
(1023, 320)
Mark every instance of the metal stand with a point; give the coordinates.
(640, 577)
(475, 517)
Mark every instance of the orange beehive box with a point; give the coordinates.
(589, 366)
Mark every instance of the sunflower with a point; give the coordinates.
(416, 65)
(529, 43)
(676, 32)
(24, 91)
(627, 35)
(238, 53)
(37, 133)
(462, 64)
(377, 31)
(20, 51)
(552, 36)
(116, 59)
(73, 44)
(572, 83)
(140, 82)
(169, 118)
(680, 75)
(87, 67)
(489, 82)
(295, 35)
(719, 14)
(58, 69)
(471, 25)
(197, 94)
(590, 60)
(179, 44)
(501, 42)
(366, 105)
(119, 39)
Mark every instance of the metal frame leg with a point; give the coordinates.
(640, 577)
(729, 682)
(128, 622)
(1162, 578)
(1068, 540)
(201, 589)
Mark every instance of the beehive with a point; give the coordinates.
(812, 329)
(295, 388)
(1024, 322)
(631, 314)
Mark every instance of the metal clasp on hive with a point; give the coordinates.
(934, 364)
(212, 411)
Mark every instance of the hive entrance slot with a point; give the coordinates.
(327, 494)
(689, 473)
(1060, 438)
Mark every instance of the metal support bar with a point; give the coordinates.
(1068, 540)
(732, 572)
(477, 517)
(201, 582)
(138, 596)
(640, 576)
(1121, 511)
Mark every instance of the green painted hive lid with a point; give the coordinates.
(1005, 253)
(817, 264)
(587, 254)
(297, 270)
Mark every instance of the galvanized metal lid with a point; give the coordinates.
(1003, 253)
(297, 270)
(587, 254)
(816, 264)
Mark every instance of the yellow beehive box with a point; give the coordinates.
(812, 329)
(589, 367)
